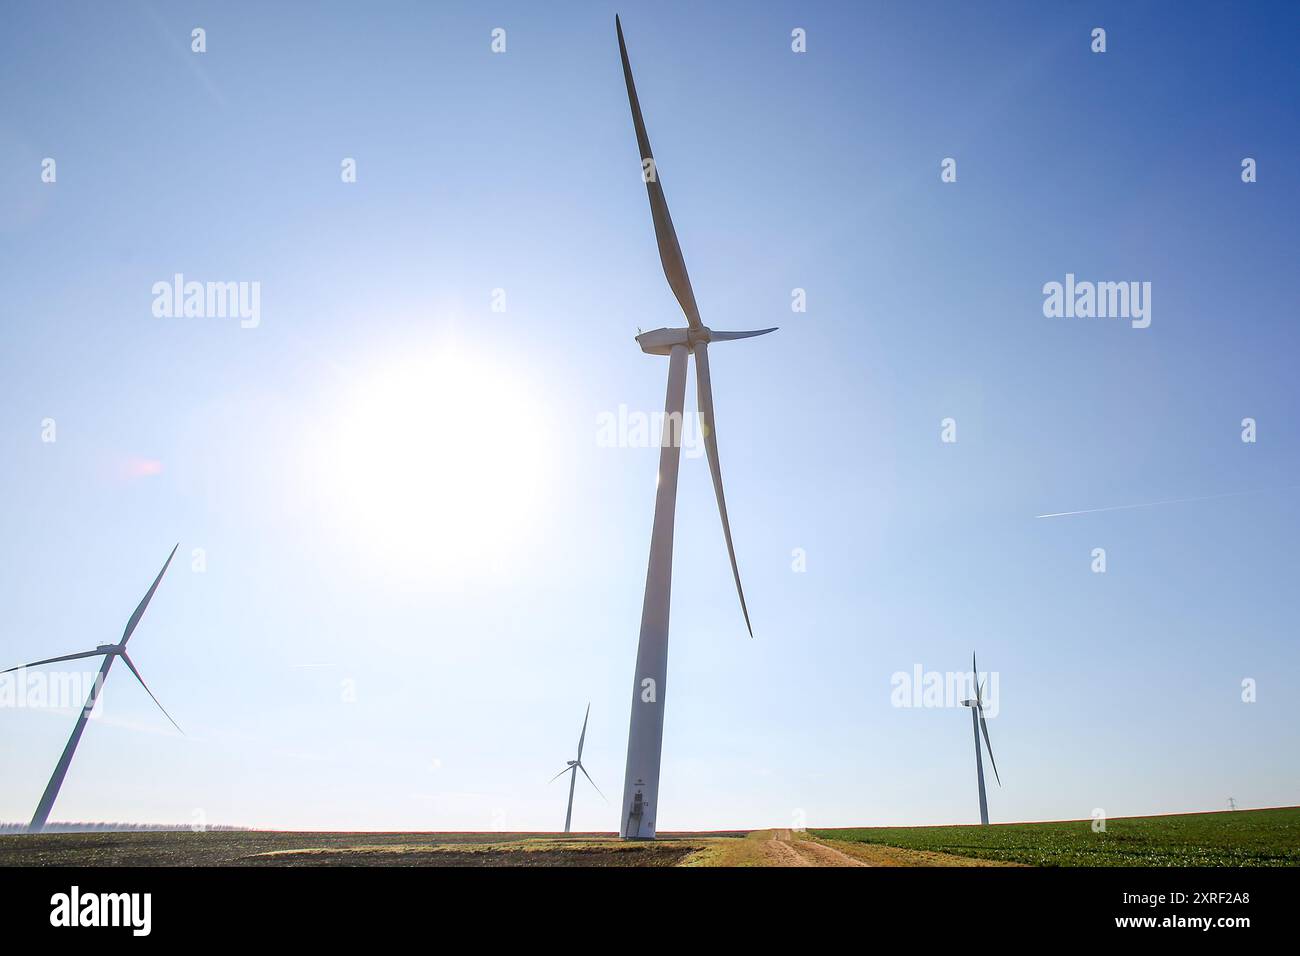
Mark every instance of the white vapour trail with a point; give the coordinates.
(1152, 504)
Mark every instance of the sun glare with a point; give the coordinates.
(436, 463)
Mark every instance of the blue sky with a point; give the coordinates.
(403, 489)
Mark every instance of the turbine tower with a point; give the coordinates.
(572, 768)
(109, 653)
(976, 706)
(645, 735)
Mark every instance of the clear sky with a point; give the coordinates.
(420, 563)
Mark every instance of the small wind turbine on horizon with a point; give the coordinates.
(976, 705)
(645, 734)
(109, 652)
(572, 768)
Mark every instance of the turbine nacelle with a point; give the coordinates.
(662, 341)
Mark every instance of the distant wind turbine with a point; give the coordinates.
(109, 653)
(573, 767)
(976, 706)
(646, 731)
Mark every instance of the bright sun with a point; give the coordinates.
(436, 462)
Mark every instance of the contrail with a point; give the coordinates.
(1152, 504)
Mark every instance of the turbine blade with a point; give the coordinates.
(985, 728)
(139, 611)
(52, 660)
(728, 336)
(592, 782)
(705, 389)
(128, 663)
(670, 251)
(584, 732)
(559, 775)
(975, 675)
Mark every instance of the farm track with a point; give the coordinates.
(783, 849)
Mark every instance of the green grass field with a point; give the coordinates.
(1240, 838)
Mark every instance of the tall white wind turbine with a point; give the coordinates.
(572, 768)
(976, 705)
(645, 736)
(109, 652)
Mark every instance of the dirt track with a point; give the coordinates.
(782, 849)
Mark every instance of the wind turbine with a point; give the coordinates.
(976, 706)
(572, 768)
(109, 652)
(645, 736)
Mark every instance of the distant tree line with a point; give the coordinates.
(12, 828)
